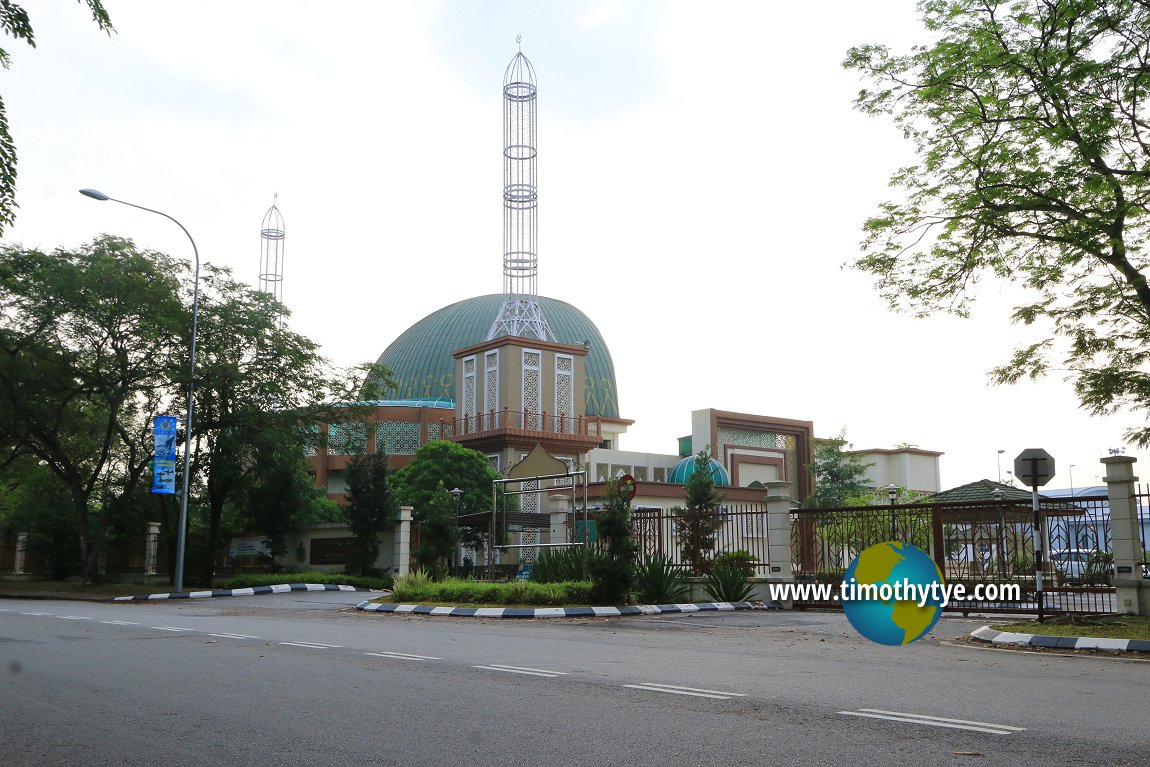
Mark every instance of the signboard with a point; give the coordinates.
(164, 460)
(627, 487)
(250, 548)
(1034, 467)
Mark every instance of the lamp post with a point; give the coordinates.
(1000, 452)
(178, 580)
(1072, 480)
(891, 492)
(997, 495)
(457, 554)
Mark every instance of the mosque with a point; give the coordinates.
(505, 373)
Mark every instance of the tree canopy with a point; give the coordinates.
(1032, 132)
(452, 465)
(14, 21)
(840, 476)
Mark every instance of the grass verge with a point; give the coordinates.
(1103, 627)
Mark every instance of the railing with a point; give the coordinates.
(973, 542)
(532, 421)
(740, 527)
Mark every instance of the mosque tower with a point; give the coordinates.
(521, 314)
(272, 252)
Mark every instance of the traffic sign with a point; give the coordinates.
(1034, 467)
(627, 487)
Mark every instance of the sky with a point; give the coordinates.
(703, 178)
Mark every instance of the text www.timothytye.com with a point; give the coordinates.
(921, 594)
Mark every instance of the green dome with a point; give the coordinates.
(421, 362)
(686, 467)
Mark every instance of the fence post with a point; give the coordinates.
(21, 548)
(401, 555)
(779, 506)
(1127, 543)
(151, 548)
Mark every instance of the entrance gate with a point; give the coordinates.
(973, 543)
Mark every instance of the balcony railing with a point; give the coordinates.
(525, 421)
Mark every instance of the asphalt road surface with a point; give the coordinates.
(303, 679)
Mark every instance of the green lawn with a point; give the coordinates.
(74, 588)
(1107, 627)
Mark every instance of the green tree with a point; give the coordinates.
(613, 568)
(451, 465)
(1031, 129)
(14, 22)
(698, 521)
(89, 345)
(840, 476)
(258, 384)
(438, 534)
(371, 507)
(283, 496)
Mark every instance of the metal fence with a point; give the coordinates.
(741, 527)
(973, 543)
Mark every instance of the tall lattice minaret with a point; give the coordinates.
(521, 314)
(272, 253)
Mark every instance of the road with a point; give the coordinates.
(302, 679)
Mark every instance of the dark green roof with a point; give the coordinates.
(421, 361)
(982, 490)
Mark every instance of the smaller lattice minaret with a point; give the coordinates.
(272, 253)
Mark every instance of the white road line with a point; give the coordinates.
(994, 729)
(945, 719)
(168, 628)
(311, 645)
(524, 668)
(401, 656)
(528, 672)
(73, 617)
(676, 691)
(48, 614)
(233, 636)
(695, 689)
(120, 623)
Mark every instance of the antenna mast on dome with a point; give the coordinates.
(521, 314)
(271, 254)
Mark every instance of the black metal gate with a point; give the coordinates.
(977, 544)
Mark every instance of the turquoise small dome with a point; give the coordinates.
(686, 467)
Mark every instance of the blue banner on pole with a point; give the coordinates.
(164, 461)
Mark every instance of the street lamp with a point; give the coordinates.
(178, 580)
(1072, 479)
(997, 495)
(1000, 452)
(891, 492)
(458, 555)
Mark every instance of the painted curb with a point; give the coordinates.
(991, 636)
(557, 612)
(282, 588)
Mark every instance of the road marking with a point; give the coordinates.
(168, 628)
(48, 614)
(522, 670)
(401, 656)
(120, 623)
(695, 691)
(935, 721)
(312, 645)
(233, 636)
(73, 617)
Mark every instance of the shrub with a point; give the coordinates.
(411, 586)
(742, 560)
(657, 581)
(728, 584)
(560, 565)
(1099, 567)
(273, 579)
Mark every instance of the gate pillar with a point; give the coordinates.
(779, 506)
(1127, 543)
